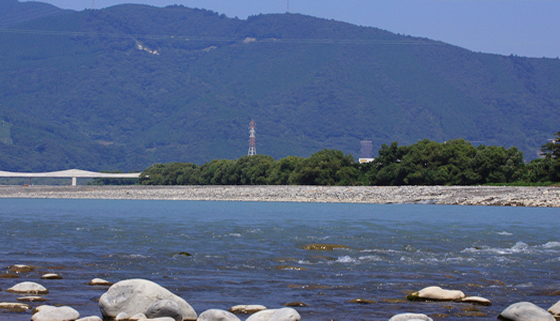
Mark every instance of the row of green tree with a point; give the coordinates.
(455, 162)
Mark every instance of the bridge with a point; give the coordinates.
(71, 173)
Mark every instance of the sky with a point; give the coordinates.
(529, 28)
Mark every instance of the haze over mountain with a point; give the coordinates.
(131, 85)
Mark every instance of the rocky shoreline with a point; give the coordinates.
(446, 195)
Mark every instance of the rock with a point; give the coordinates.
(91, 318)
(28, 288)
(9, 276)
(184, 254)
(217, 315)
(159, 319)
(246, 309)
(122, 316)
(138, 316)
(290, 267)
(436, 293)
(41, 307)
(362, 301)
(295, 304)
(51, 276)
(15, 307)
(136, 295)
(525, 311)
(555, 310)
(263, 315)
(410, 317)
(51, 313)
(32, 299)
(476, 300)
(98, 281)
(20, 268)
(324, 247)
(164, 308)
(285, 314)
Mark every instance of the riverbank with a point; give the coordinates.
(446, 195)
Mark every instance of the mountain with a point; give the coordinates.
(13, 12)
(132, 85)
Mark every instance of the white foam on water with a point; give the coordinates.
(504, 233)
(234, 234)
(304, 262)
(551, 245)
(345, 259)
(370, 258)
(519, 247)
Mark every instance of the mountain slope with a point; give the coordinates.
(131, 85)
(13, 12)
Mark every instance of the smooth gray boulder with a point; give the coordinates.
(263, 315)
(98, 281)
(217, 315)
(51, 313)
(122, 316)
(51, 276)
(138, 316)
(28, 288)
(476, 300)
(285, 314)
(410, 317)
(164, 308)
(525, 311)
(136, 296)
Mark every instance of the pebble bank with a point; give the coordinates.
(445, 195)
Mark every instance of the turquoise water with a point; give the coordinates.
(504, 254)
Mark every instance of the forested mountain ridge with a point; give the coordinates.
(131, 85)
(13, 12)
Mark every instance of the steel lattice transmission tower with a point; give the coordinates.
(252, 138)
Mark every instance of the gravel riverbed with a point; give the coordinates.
(448, 195)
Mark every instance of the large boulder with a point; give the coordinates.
(51, 313)
(410, 317)
(217, 315)
(164, 308)
(136, 296)
(28, 288)
(263, 315)
(525, 311)
(436, 293)
(285, 314)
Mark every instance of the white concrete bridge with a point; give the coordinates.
(71, 173)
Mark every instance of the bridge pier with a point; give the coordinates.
(74, 181)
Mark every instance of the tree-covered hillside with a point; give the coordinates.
(13, 12)
(129, 86)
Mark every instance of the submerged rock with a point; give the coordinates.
(15, 307)
(246, 309)
(410, 317)
(51, 276)
(217, 315)
(436, 293)
(290, 267)
(51, 313)
(32, 299)
(164, 308)
(28, 288)
(295, 304)
(9, 276)
(324, 247)
(101, 282)
(20, 268)
(136, 296)
(362, 301)
(525, 311)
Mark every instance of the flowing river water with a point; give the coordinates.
(253, 253)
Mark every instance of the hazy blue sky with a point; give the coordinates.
(522, 27)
